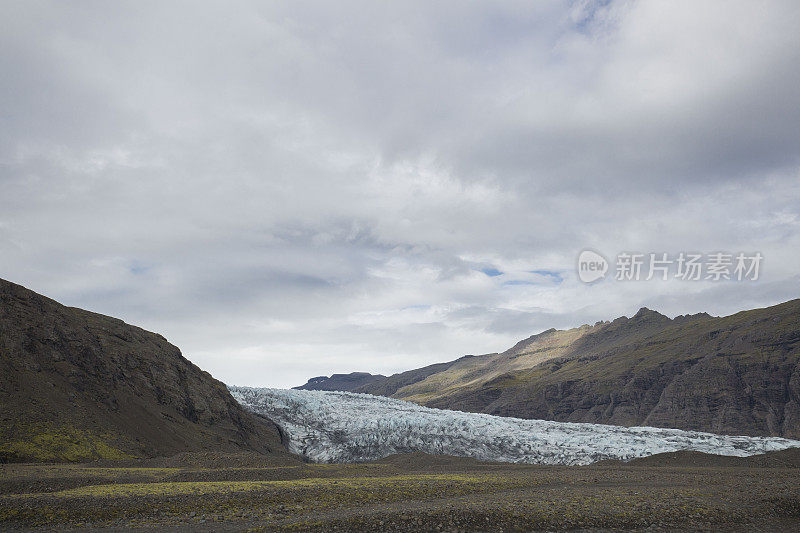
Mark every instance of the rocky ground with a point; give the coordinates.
(213, 492)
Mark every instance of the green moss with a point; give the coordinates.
(263, 500)
(67, 471)
(39, 442)
(123, 490)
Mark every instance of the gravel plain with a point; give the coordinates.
(414, 492)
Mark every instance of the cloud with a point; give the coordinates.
(292, 189)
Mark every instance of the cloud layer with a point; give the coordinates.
(292, 189)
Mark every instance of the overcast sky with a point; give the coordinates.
(286, 190)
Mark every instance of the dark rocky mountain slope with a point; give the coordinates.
(76, 385)
(341, 382)
(738, 374)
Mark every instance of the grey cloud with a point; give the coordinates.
(326, 183)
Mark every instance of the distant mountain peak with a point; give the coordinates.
(648, 314)
(341, 382)
(688, 317)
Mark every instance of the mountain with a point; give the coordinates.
(341, 382)
(390, 385)
(376, 384)
(738, 374)
(326, 426)
(76, 385)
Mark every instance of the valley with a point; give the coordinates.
(411, 492)
(108, 427)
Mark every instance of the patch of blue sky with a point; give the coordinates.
(589, 14)
(418, 306)
(551, 274)
(542, 277)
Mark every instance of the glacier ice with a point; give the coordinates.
(329, 427)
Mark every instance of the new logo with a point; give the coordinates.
(591, 266)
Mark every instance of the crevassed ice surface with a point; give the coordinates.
(328, 427)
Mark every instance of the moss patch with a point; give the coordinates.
(124, 490)
(40, 442)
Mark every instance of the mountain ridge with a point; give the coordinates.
(738, 374)
(77, 385)
(339, 381)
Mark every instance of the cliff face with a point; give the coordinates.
(732, 375)
(76, 385)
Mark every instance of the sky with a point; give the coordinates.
(291, 189)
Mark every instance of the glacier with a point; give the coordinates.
(333, 427)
